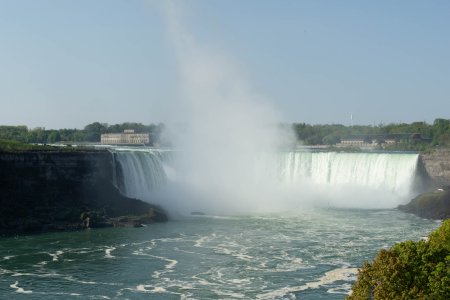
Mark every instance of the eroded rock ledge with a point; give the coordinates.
(437, 165)
(45, 191)
(432, 205)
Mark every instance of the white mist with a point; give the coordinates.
(227, 126)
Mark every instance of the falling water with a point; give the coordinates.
(374, 180)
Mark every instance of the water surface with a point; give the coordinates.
(308, 255)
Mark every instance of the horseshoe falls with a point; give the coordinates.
(336, 179)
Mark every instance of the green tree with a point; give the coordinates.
(94, 130)
(331, 139)
(409, 270)
(37, 135)
(53, 137)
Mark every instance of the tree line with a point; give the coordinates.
(90, 133)
(436, 134)
(421, 135)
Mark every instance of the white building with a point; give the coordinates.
(128, 137)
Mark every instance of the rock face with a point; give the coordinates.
(437, 165)
(42, 191)
(433, 205)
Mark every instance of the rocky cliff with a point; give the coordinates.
(62, 190)
(434, 204)
(437, 165)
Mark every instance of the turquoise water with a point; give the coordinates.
(308, 255)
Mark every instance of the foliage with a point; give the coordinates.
(14, 146)
(409, 270)
(17, 133)
(90, 133)
(436, 134)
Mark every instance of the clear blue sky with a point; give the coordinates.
(64, 64)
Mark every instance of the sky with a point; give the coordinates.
(65, 64)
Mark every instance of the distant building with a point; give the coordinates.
(374, 140)
(365, 141)
(128, 137)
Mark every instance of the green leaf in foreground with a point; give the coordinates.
(409, 270)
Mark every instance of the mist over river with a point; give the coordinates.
(308, 254)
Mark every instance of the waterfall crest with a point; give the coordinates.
(139, 171)
(356, 179)
(395, 172)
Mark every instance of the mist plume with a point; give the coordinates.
(227, 124)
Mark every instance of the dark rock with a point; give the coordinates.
(51, 191)
(433, 205)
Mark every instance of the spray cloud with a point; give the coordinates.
(227, 125)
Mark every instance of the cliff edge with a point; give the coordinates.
(437, 165)
(434, 204)
(63, 190)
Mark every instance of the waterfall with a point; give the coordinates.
(395, 172)
(357, 179)
(139, 171)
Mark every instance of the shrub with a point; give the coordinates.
(409, 270)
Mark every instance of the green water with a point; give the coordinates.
(307, 255)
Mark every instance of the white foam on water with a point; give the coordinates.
(201, 281)
(200, 241)
(172, 263)
(292, 265)
(154, 289)
(41, 264)
(108, 251)
(62, 294)
(159, 290)
(73, 279)
(344, 274)
(184, 251)
(243, 256)
(343, 289)
(18, 274)
(334, 275)
(56, 255)
(19, 289)
(141, 288)
(243, 281)
(230, 294)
